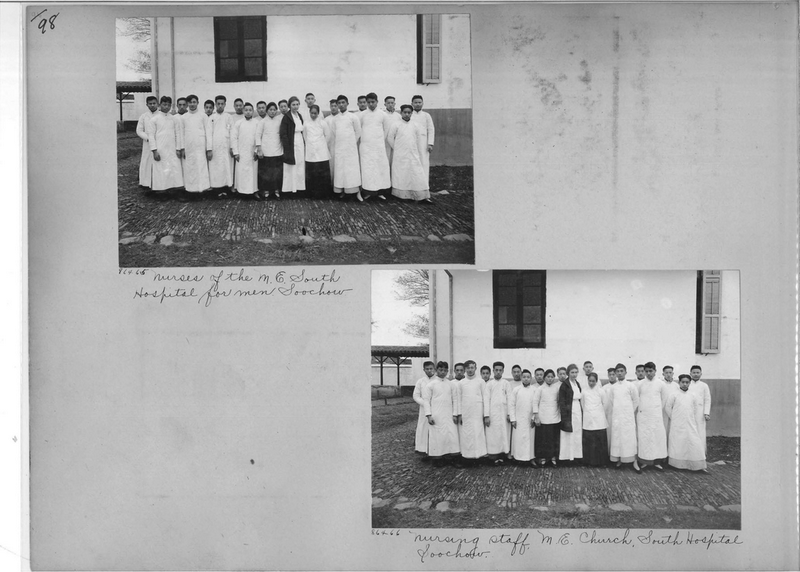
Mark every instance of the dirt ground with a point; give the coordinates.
(408, 491)
(233, 232)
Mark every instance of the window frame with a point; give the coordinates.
(240, 76)
(422, 49)
(504, 342)
(705, 278)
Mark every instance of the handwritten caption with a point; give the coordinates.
(206, 289)
(430, 548)
(45, 22)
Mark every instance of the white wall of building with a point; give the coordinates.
(133, 109)
(606, 317)
(326, 55)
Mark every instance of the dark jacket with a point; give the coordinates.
(565, 395)
(286, 132)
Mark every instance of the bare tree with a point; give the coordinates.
(138, 30)
(419, 327)
(413, 287)
(140, 63)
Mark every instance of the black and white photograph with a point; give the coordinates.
(556, 399)
(557, 240)
(332, 139)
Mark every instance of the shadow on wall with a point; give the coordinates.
(453, 143)
(726, 408)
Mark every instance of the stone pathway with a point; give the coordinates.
(402, 481)
(144, 218)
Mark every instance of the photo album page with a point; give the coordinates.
(480, 286)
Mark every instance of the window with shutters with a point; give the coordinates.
(708, 312)
(240, 48)
(519, 308)
(429, 48)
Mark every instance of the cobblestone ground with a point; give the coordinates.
(608, 497)
(447, 225)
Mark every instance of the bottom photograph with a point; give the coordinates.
(556, 399)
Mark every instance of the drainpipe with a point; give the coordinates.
(172, 58)
(432, 317)
(450, 298)
(154, 57)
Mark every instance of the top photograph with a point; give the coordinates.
(294, 140)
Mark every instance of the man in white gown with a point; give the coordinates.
(374, 162)
(426, 135)
(346, 135)
(442, 404)
(243, 143)
(497, 442)
(607, 389)
(361, 101)
(238, 115)
(392, 117)
(331, 143)
(164, 139)
(197, 145)
(588, 367)
(220, 166)
(520, 408)
(624, 402)
(146, 162)
(474, 402)
(670, 386)
(511, 385)
(408, 173)
(421, 435)
(651, 433)
(704, 407)
(686, 447)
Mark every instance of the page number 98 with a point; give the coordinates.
(45, 23)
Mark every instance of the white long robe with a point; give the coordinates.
(220, 167)
(374, 162)
(703, 407)
(163, 136)
(243, 143)
(421, 436)
(146, 162)
(686, 447)
(521, 412)
(197, 139)
(346, 134)
(408, 174)
(510, 386)
(317, 135)
(607, 389)
(651, 433)
(441, 401)
(669, 388)
(496, 433)
(571, 445)
(426, 136)
(331, 142)
(235, 119)
(624, 401)
(594, 410)
(474, 401)
(178, 119)
(268, 136)
(391, 119)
